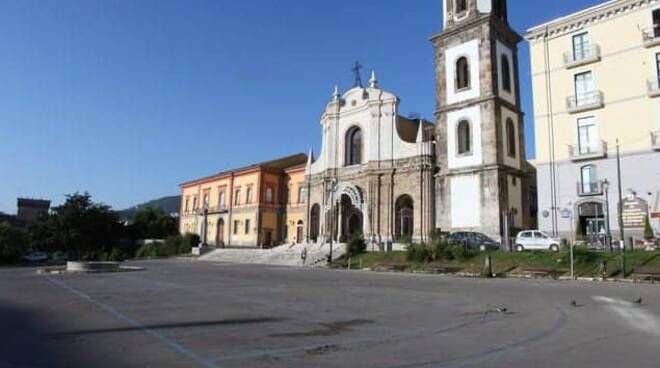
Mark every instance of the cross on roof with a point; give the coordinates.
(358, 78)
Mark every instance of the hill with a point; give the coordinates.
(169, 205)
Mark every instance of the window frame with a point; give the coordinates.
(354, 146)
(470, 141)
(511, 141)
(507, 79)
(458, 87)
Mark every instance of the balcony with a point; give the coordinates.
(586, 56)
(651, 36)
(588, 151)
(590, 189)
(655, 140)
(585, 102)
(653, 87)
(218, 209)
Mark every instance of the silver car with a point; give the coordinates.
(536, 240)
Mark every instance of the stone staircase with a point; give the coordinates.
(284, 255)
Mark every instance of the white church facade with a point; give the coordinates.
(388, 177)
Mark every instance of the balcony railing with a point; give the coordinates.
(651, 36)
(590, 188)
(576, 58)
(588, 151)
(655, 140)
(653, 87)
(586, 101)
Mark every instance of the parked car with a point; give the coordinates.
(35, 257)
(536, 240)
(473, 241)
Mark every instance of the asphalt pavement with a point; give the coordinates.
(199, 314)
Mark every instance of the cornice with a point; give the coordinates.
(587, 17)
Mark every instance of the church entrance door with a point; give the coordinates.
(351, 219)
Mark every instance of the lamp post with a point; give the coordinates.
(332, 189)
(206, 224)
(620, 211)
(608, 234)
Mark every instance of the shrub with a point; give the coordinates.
(172, 245)
(151, 250)
(356, 245)
(405, 239)
(459, 252)
(420, 253)
(189, 241)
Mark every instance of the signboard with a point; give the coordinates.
(634, 213)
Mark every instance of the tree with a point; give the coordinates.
(153, 223)
(82, 228)
(648, 230)
(13, 242)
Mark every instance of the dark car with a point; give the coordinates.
(473, 241)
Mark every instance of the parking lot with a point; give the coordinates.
(188, 314)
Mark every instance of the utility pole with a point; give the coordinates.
(620, 209)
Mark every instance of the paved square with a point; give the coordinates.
(196, 314)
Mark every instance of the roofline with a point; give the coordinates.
(239, 171)
(568, 20)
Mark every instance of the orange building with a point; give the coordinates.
(249, 206)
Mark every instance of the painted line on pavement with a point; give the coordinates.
(633, 314)
(115, 313)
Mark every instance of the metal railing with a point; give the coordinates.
(590, 150)
(585, 101)
(582, 56)
(590, 188)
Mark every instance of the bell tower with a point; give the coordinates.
(482, 169)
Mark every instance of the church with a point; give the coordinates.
(390, 178)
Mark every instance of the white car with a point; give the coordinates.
(536, 240)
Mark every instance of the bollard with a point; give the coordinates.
(488, 266)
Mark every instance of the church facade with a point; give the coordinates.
(392, 179)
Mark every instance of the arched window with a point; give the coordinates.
(354, 146)
(404, 225)
(461, 6)
(464, 138)
(462, 73)
(511, 137)
(506, 74)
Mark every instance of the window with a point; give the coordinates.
(205, 200)
(247, 227)
(248, 195)
(194, 203)
(222, 201)
(581, 46)
(461, 6)
(354, 146)
(301, 193)
(506, 73)
(587, 136)
(235, 227)
(286, 195)
(511, 138)
(464, 138)
(657, 68)
(269, 195)
(656, 23)
(187, 208)
(237, 197)
(462, 73)
(589, 179)
(584, 89)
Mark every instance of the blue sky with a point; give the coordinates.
(127, 99)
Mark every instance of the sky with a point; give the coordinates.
(128, 99)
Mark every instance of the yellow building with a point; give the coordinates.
(245, 207)
(595, 77)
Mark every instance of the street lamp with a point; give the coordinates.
(206, 224)
(606, 188)
(332, 189)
